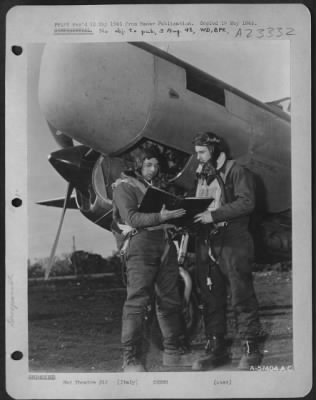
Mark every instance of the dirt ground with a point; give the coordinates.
(74, 326)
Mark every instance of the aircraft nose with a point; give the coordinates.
(88, 100)
(70, 164)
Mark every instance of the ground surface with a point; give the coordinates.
(75, 326)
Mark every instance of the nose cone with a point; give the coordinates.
(70, 165)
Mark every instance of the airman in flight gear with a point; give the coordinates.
(224, 253)
(151, 267)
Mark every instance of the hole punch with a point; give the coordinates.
(16, 202)
(17, 355)
(17, 50)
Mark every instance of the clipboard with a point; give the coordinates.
(155, 198)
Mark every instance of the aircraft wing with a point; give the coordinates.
(59, 202)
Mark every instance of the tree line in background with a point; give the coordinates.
(81, 263)
(76, 263)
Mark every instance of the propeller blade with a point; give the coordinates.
(52, 254)
(59, 202)
(75, 165)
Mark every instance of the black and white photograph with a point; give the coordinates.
(161, 196)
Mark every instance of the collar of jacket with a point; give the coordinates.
(224, 170)
(133, 179)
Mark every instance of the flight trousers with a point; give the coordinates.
(152, 271)
(233, 251)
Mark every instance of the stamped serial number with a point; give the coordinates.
(267, 33)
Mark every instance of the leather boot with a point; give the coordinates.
(177, 352)
(216, 354)
(180, 357)
(251, 355)
(131, 360)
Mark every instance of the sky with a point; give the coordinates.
(259, 68)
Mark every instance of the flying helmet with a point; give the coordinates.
(147, 153)
(214, 143)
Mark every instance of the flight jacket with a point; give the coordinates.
(128, 192)
(240, 194)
